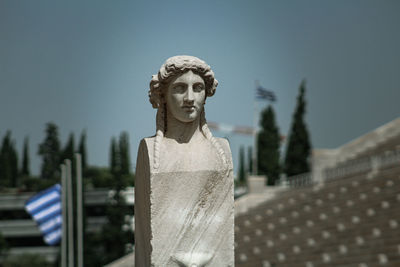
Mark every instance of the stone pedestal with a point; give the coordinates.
(184, 217)
(256, 184)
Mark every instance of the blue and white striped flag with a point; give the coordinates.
(265, 94)
(45, 209)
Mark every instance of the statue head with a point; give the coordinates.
(195, 72)
(174, 67)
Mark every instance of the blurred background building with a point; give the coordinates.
(344, 213)
(22, 234)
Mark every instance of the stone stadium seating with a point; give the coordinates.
(385, 145)
(353, 220)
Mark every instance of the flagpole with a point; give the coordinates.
(79, 208)
(70, 216)
(64, 217)
(255, 133)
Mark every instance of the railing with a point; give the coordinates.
(364, 165)
(349, 168)
(352, 167)
(304, 179)
(390, 158)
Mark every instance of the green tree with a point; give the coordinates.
(49, 149)
(25, 158)
(99, 177)
(299, 146)
(117, 233)
(82, 151)
(3, 245)
(268, 140)
(8, 162)
(250, 160)
(14, 165)
(242, 173)
(114, 157)
(69, 150)
(124, 157)
(94, 250)
(120, 161)
(32, 260)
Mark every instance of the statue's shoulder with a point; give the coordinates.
(223, 141)
(148, 141)
(145, 153)
(146, 146)
(225, 146)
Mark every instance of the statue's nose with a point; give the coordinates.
(189, 94)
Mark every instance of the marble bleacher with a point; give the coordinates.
(352, 220)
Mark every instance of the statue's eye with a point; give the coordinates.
(179, 89)
(198, 87)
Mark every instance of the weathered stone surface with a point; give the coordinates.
(190, 214)
(184, 213)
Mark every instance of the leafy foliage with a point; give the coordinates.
(49, 149)
(125, 161)
(117, 233)
(268, 146)
(82, 151)
(99, 177)
(8, 162)
(242, 173)
(25, 158)
(3, 244)
(114, 156)
(31, 260)
(250, 160)
(299, 146)
(116, 237)
(69, 150)
(35, 184)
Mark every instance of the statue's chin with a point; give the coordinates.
(188, 118)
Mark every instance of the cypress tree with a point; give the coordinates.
(8, 162)
(69, 149)
(5, 167)
(49, 149)
(82, 150)
(268, 140)
(124, 157)
(299, 146)
(117, 232)
(250, 160)
(14, 165)
(114, 157)
(25, 158)
(242, 174)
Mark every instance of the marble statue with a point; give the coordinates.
(184, 183)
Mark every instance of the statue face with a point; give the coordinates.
(185, 96)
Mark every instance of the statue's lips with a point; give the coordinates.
(189, 108)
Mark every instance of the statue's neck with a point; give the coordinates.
(183, 132)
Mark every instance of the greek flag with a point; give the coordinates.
(265, 94)
(45, 209)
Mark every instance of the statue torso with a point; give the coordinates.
(192, 196)
(196, 156)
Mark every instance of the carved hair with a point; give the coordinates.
(173, 67)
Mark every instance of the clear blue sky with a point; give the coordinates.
(87, 65)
